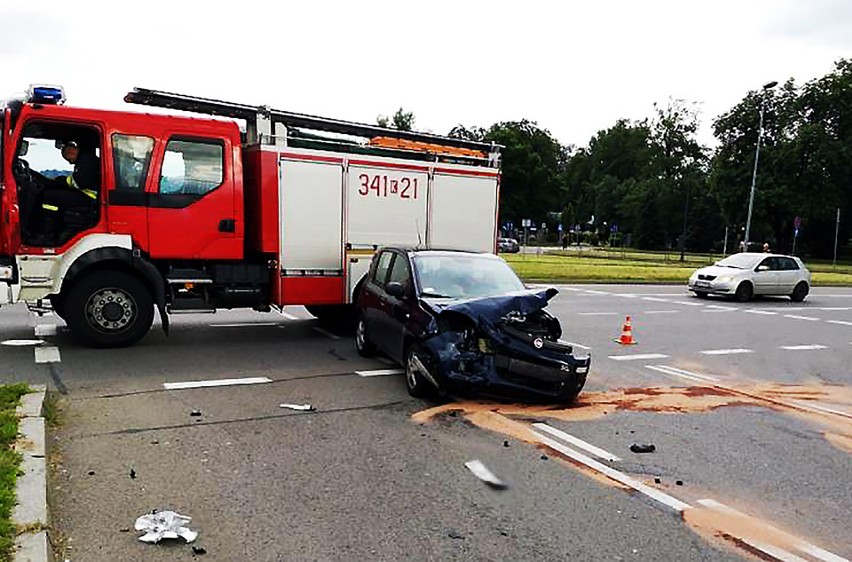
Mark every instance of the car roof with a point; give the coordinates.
(416, 251)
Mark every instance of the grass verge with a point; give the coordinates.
(10, 397)
(610, 267)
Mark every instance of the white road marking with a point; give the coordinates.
(839, 322)
(654, 299)
(806, 347)
(210, 383)
(581, 346)
(596, 292)
(22, 343)
(674, 371)
(47, 355)
(795, 317)
(45, 330)
(661, 312)
(763, 312)
(638, 357)
(720, 307)
(734, 351)
(328, 334)
(616, 475)
(577, 442)
(243, 324)
(598, 313)
(289, 316)
(772, 550)
(379, 372)
(834, 308)
(625, 295)
(821, 409)
(687, 303)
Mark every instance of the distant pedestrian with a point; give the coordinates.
(565, 241)
(766, 249)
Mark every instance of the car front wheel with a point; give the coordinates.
(417, 360)
(744, 292)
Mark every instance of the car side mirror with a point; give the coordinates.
(25, 147)
(395, 289)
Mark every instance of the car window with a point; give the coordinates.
(768, 263)
(399, 271)
(788, 264)
(382, 267)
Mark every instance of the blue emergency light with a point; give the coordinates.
(46, 95)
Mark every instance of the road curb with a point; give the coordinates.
(31, 487)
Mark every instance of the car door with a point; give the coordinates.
(788, 275)
(766, 277)
(398, 309)
(373, 300)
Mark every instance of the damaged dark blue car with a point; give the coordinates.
(463, 323)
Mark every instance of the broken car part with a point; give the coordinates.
(483, 473)
(164, 525)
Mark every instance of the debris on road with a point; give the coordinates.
(505, 443)
(643, 448)
(298, 407)
(199, 550)
(455, 535)
(678, 482)
(164, 525)
(544, 457)
(91, 473)
(657, 481)
(483, 473)
(195, 413)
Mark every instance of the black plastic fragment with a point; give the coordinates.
(198, 550)
(195, 413)
(643, 448)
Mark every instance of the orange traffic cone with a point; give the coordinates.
(626, 337)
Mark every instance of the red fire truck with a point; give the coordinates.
(193, 213)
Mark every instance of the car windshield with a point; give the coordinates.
(741, 261)
(464, 276)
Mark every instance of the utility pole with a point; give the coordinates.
(836, 234)
(766, 87)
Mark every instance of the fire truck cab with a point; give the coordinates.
(192, 214)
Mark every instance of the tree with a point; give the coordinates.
(402, 120)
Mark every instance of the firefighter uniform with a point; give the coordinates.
(78, 190)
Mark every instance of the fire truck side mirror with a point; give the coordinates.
(24, 148)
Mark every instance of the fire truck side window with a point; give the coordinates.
(192, 167)
(132, 156)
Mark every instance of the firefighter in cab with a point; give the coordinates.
(78, 190)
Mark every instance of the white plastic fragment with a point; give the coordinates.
(299, 407)
(164, 525)
(483, 473)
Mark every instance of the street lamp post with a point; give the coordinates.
(766, 87)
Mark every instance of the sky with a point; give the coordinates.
(573, 67)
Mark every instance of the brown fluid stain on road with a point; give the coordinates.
(667, 400)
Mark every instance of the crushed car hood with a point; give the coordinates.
(492, 309)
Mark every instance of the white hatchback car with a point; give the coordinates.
(746, 275)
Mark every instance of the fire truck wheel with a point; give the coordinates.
(109, 309)
(58, 306)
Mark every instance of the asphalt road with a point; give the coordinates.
(747, 405)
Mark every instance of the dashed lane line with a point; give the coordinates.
(761, 312)
(47, 354)
(654, 299)
(689, 375)
(379, 372)
(661, 312)
(733, 351)
(243, 324)
(597, 313)
(327, 334)
(797, 317)
(577, 442)
(638, 357)
(214, 382)
(22, 343)
(805, 347)
(839, 322)
(687, 303)
(661, 497)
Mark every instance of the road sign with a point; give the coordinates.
(526, 223)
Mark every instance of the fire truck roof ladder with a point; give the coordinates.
(261, 119)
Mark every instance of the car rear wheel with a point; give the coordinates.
(800, 292)
(744, 292)
(418, 360)
(362, 341)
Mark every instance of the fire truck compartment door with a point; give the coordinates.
(464, 212)
(311, 217)
(387, 206)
